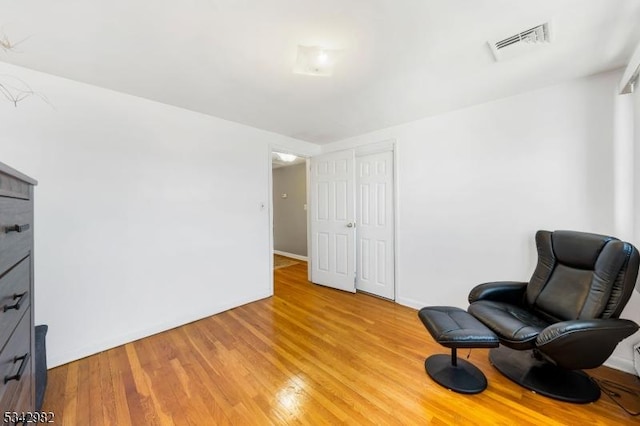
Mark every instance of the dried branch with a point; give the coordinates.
(5, 43)
(14, 95)
(20, 90)
(15, 90)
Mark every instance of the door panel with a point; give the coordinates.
(332, 197)
(375, 233)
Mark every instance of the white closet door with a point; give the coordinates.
(332, 182)
(375, 225)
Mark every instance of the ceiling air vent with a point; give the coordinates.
(521, 42)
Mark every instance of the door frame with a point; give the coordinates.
(364, 149)
(306, 156)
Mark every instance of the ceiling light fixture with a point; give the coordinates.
(287, 158)
(315, 60)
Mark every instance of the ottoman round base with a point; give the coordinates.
(463, 377)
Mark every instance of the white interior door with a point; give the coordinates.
(375, 225)
(332, 200)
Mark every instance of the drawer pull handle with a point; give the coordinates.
(16, 305)
(23, 364)
(17, 228)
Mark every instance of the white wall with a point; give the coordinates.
(147, 216)
(623, 355)
(474, 185)
(627, 208)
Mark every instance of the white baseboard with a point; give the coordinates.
(410, 303)
(621, 364)
(416, 304)
(112, 342)
(291, 255)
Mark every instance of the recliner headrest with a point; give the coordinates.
(578, 249)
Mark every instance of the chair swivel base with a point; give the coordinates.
(544, 378)
(459, 376)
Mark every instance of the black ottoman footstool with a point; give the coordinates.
(455, 328)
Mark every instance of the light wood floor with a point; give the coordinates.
(308, 355)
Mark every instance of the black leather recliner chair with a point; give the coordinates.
(566, 318)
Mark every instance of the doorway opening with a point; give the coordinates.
(289, 218)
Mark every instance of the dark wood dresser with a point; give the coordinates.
(17, 368)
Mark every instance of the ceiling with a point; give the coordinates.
(400, 59)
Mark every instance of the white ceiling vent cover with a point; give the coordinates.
(521, 42)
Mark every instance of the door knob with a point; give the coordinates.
(350, 225)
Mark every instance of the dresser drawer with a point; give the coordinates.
(14, 297)
(22, 400)
(11, 186)
(12, 362)
(16, 230)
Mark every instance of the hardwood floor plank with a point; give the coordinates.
(83, 404)
(71, 396)
(94, 390)
(151, 410)
(120, 404)
(55, 394)
(107, 414)
(308, 355)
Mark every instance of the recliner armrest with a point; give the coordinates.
(583, 344)
(500, 291)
